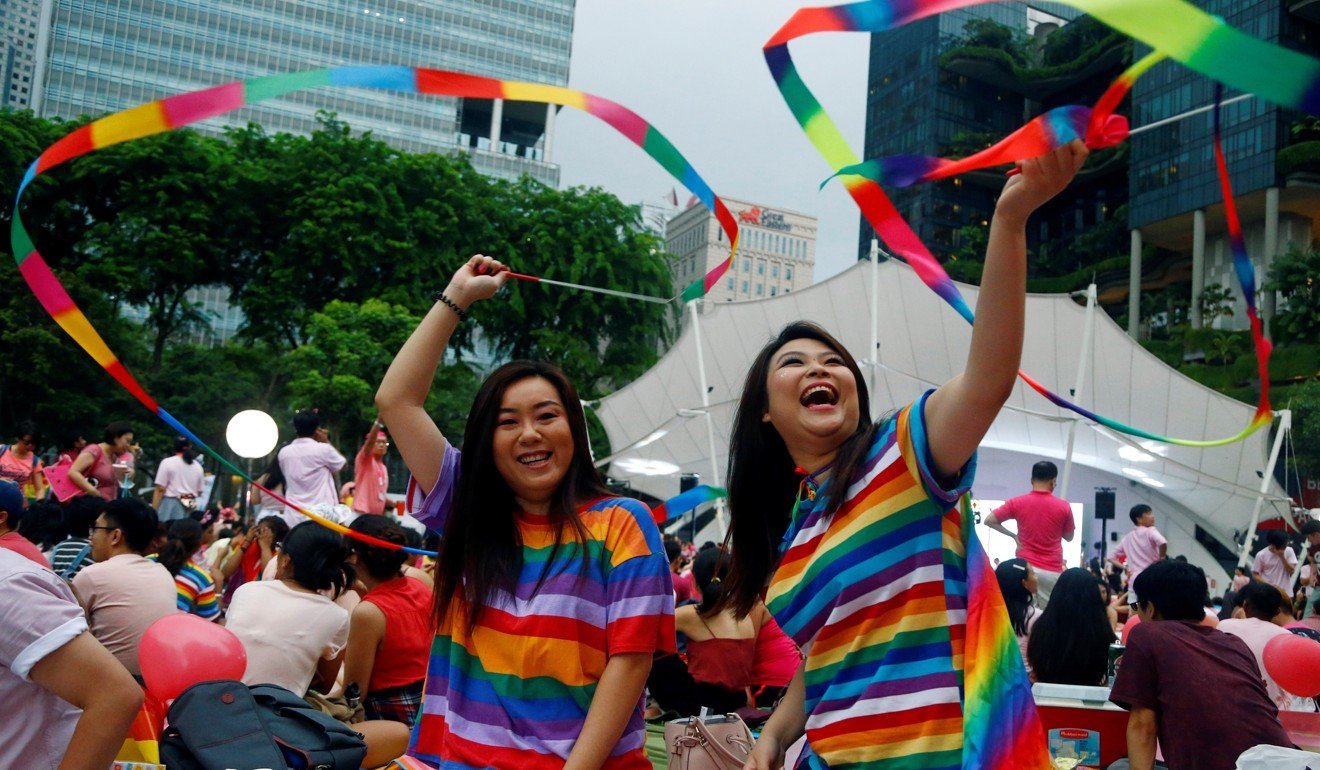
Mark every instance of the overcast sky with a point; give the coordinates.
(694, 69)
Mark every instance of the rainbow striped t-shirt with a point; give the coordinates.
(877, 597)
(514, 692)
(195, 590)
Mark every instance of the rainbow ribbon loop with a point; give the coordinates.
(185, 109)
(1173, 28)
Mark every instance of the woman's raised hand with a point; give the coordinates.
(479, 278)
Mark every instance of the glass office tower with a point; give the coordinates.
(106, 55)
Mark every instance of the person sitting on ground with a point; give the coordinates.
(1017, 584)
(12, 509)
(721, 649)
(1173, 666)
(295, 636)
(74, 552)
(1110, 601)
(389, 636)
(1070, 642)
(250, 554)
(195, 588)
(70, 702)
(124, 592)
(1265, 615)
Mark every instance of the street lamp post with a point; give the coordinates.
(251, 434)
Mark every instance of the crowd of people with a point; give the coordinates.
(556, 619)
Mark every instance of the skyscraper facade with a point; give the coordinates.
(103, 56)
(20, 24)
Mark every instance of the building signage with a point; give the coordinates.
(771, 220)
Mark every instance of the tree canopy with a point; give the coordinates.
(332, 245)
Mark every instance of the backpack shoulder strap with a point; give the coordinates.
(73, 565)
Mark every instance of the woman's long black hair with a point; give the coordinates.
(762, 481)
(183, 539)
(709, 570)
(1070, 641)
(480, 549)
(1010, 575)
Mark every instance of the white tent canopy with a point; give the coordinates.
(922, 343)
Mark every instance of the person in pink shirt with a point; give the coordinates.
(1043, 522)
(1141, 547)
(371, 477)
(11, 513)
(309, 464)
(1276, 562)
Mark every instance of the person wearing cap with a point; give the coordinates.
(11, 513)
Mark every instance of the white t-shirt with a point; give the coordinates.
(285, 632)
(179, 478)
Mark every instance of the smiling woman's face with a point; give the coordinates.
(533, 443)
(812, 397)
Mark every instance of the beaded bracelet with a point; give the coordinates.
(439, 296)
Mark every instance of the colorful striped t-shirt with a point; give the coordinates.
(195, 590)
(876, 595)
(514, 692)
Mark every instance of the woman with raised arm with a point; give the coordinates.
(853, 525)
(551, 595)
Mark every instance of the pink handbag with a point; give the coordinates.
(57, 476)
(708, 743)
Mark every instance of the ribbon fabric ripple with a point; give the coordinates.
(184, 109)
(1175, 29)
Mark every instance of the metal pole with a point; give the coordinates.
(1187, 114)
(1083, 358)
(710, 421)
(1285, 424)
(873, 355)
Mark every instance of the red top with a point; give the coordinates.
(723, 662)
(23, 547)
(1043, 521)
(777, 656)
(403, 653)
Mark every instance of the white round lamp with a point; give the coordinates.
(252, 434)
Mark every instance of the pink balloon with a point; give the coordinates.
(1127, 627)
(180, 650)
(1293, 662)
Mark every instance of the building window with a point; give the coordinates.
(774, 271)
(788, 273)
(760, 289)
(773, 291)
(729, 284)
(747, 266)
(760, 268)
(744, 287)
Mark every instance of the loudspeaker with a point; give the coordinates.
(1104, 504)
(691, 480)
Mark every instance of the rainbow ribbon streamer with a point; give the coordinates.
(1173, 28)
(184, 109)
(685, 501)
(1042, 135)
(1001, 727)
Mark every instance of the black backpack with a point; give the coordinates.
(226, 725)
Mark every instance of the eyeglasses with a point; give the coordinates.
(107, 529)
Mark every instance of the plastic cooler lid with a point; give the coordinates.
(1089, 696)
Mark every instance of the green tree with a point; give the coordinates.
(1305, 406)
(1296, 275)
(582, 236)
(1216, 301)
(348, 349)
